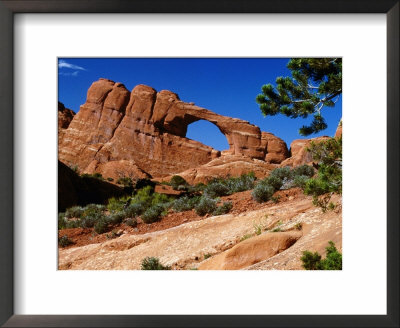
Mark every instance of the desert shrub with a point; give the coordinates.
(300, 181)
(134, 210)
(110, 179)
(246, 236)
(262, 192)
(91, 176)
(216, 189)
(91, 215)
(93, 209)
(185, 203)
(159, 199)
(304, 170)
(153, 263)
(311, 261)
(144, 196)
(125, 181)
(116, 218)
(131, 222)
(205, 205)
(282, 173)
(333, 260)
(223, 209)
(274, 181)
(242, 183)
(115, 205)
(64, 241)
(74, 212)
(101, 224)
(152, 214)
(177, 181)
(207, 256)
(199, 187)
(62, 223)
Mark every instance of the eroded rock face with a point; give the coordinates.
(145, 131)
(65, 116)
(224, 167)
(300, 155)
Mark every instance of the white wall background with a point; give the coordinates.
(359, 289)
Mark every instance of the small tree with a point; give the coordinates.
(333, 260)
(314, 84)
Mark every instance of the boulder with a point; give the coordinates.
(251, 251)
(300, 155)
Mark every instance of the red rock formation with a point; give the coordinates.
(300, 155)
(143, 132)
(65, 116)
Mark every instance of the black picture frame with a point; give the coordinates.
(7, 10)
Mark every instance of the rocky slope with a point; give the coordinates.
(143, 133)
(219, 237)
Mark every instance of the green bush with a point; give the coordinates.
(311, 261)
(304, 170)
(262, 192)
(95, 176)
(223, 209)
(101, 224)
(206, 205)
(62, 223)
(74, 212)
(93, 209)
(185, 203)
(333, 260)
(242, 183)
(116, 218)
(115, 205)
(64, 241)
(125, 181)
(131, 222)
(216, 189)
(300, 181)
(134, 210)
(177, 181)
(153, 263)
(152, 214)
(274, 181)
(282, 173)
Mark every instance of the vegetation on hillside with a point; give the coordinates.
(314, 261)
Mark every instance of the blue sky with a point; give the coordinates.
(227, 86)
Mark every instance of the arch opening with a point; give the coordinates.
(208, 134)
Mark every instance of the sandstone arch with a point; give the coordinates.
(145, 130)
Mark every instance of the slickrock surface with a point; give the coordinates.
(142, 133)
(185, 246)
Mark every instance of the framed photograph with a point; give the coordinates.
(194, 163)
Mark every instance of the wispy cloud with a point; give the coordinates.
(64, 64)
(69, 73)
